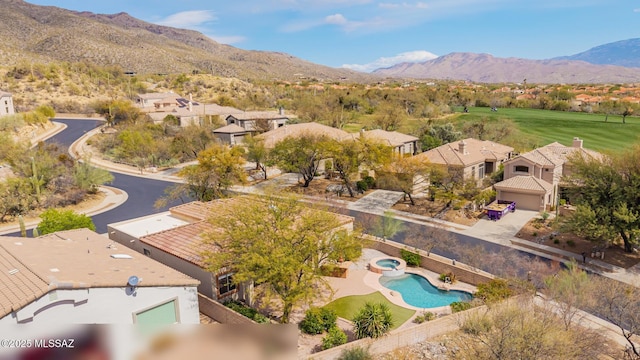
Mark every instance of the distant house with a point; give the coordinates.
(532, 179)
(188, 112)
(258, 121)
(231, 134)
(6, 104)
(149, 100)
(402, 144)
(475, 159)
(272, 137)
(80, 277)
(174, 238)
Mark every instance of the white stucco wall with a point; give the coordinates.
(6, 105)
(104, 306)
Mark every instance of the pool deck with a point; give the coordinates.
(361, 281)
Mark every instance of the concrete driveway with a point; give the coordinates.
(501, 231)
(377, 202)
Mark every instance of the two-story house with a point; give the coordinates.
(258, 121)
(532, 179)
(6, 104)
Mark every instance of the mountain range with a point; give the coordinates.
(46, 33)
(489, 69)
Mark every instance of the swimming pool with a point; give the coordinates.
(388, 263)
(417, 291)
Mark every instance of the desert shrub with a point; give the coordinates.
(334, 337)
(458, 306)
(356, 353)
(362, 186)
(556, 241)
(412, 259)
(317, 320)
(427, 316)
(571, 243)
(370, 181)
(494, 290)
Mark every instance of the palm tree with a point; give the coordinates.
(373, 320)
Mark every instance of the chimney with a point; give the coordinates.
(462, 147)
(577, 142)
(190, 106)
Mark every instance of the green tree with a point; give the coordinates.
(387, 226)
(258, 153)
(280, 243)
(89, 178)
(406, 174)
(58, 220)
(350, 156)
(219, 167)
(373, 320)
(300, 154)
(116, 111)
(569, 290)
(606, 191)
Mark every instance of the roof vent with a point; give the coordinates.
(121, 256)
(13, 271)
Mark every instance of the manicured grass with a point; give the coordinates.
(347, 307)
(561, 126)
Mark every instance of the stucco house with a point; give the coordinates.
(476, 159)
(231, 134)
(258, 121)
(402, 144)
(533, 179)
(81, 277)
(6, 104)
(174, 238)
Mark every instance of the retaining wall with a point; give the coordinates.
(221, 313)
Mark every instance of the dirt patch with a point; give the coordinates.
(426, 207)
(318, 188)
(546, 233)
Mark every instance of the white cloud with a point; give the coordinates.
(636, 10)
(188, 19)
(232, 39)
(404, 5)
(410, 56)
(337, 19)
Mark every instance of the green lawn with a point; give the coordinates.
(347, 307)
(561, 126)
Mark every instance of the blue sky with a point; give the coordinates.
(368, 34)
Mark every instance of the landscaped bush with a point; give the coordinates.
(246, 311)
(494, 290)
(373, 320)
(412, 259)
(450, 275)
(334, 338)
(458, 306)
(362, 186)
(318, 320)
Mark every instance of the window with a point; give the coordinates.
(147, 252)
(546, 170)
(473, 171)
(521, 168)
(225, 284)
(158, 315)
(481, 171)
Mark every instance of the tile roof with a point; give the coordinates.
(197, 210)
(392, 138)
(272, 137)
(73, 259)
(555, 154)
(254, 115)
(184, 242)
(528, 183)
(476, 151)
(230, 129)
(156, 95)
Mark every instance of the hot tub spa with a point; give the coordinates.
(388, 266)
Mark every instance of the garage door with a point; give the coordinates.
(523, 201)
